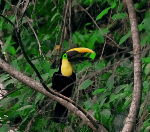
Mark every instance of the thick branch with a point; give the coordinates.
(136, 97)
(17, 31)
(38, 87)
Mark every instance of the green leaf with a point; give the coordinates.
(147, 69)
(91, 42)
(121, 87)
(105, 12)
(4, 77)
(140, 5)
(87, 24)
(15, 65)
(100, 35)
(46, 66)
(105, 114)
(25, 107)
(5, 128)
(146, 59)
(91, 55)
(124, 38)
(104, 31)
(1, 23)
(146, 24)
(126, 103)
(11, 81)
(55, 16)
(141, 26)
(110, 82)
(103, 96)
(100, 65)
(4, 103)
(39, 97)
(119, 16)
(7, 7)
(91, 1)
(11, 50)
(51, 72)
(66, 45)
(120, 6)
(7, 43)
(98, 91)
(87, 104)
(84, 65)
(144, 39)
(115, 96)
(85, 84)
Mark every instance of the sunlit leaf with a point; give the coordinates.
(55, 16)
(105, 11)
(146, 59)
(11, 50)
(98, 91)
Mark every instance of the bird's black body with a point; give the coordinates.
(59, 82)
(65, 77)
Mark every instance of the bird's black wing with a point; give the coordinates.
(59, 82)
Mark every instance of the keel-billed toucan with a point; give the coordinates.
(65, 76)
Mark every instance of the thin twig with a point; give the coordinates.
(99, 28)
(40, 50)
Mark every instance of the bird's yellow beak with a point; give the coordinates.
(66, 68)
(72, 52)
(81, 50)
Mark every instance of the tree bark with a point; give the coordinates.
(136, 96)
(38, 87)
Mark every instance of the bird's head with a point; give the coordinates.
(71, 55)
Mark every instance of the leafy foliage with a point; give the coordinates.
(104, 86)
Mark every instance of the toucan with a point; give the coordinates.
(66, 77)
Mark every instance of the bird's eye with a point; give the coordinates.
(65, 56)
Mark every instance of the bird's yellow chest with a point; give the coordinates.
(66, 68)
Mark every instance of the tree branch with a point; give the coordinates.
(17, 31)
(38, 87)
(136, 97)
